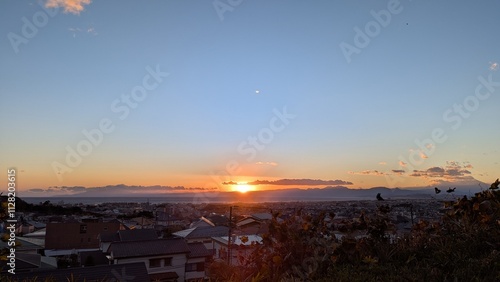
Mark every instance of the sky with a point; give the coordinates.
(248, 95)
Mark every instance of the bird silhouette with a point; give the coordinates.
(451, 190)
(437, 190)
(494, 185)
(379, 197)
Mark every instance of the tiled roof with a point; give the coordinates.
(245, 221)
(137, 234)
(202, 222)
(33, 241)
(129, 235)
(36, 224)
(109, 236)
(262, 216)
(198, 250)
(203, 232)
(218, 219)
(23, 262)
(38, 233)
(148, 248)
(132, 272)
(183, 233)
(24, 244)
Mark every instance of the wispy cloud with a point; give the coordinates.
(399, 171)
(421, 154)
(368, 172)
(70, 6)
(92, 31)
(298, 182)
(267, 163)
(378, 173)
(382, 163)
(452, 172)
(76, 30)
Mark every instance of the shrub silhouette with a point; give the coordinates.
(463, 246)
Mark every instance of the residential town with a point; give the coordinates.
(176, 242)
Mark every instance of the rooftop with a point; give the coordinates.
(148, 248)
(203, 232)
(198, 250)
(137, 234)
(132, 272)
(129, 235)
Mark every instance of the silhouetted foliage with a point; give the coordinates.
(463, 246)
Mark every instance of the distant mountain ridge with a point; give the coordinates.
(330, 193)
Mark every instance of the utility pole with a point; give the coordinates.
(229, 235)
(411, 213)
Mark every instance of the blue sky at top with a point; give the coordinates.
(352, 118)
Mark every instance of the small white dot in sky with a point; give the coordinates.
(493, 66)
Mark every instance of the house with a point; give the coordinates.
(76, 235)
(165, 259)
(240, 249)
(202, 222)
(262, 216)
(168, 219)
(218, 219)
(255, 224)
(28, 255)
(26, 262)
(39, 234)
(203, 235)
(26, 245)
(131, 272)
(195, 265)
(106, 238)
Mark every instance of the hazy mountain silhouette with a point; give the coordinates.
(290, 194)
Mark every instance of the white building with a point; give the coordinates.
(241, 247)
(202, 235)
(165, 259)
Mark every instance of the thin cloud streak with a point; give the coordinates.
(368, 172)
(267, 163)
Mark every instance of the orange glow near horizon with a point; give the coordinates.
(243, 187)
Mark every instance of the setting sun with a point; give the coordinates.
(242, 188)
